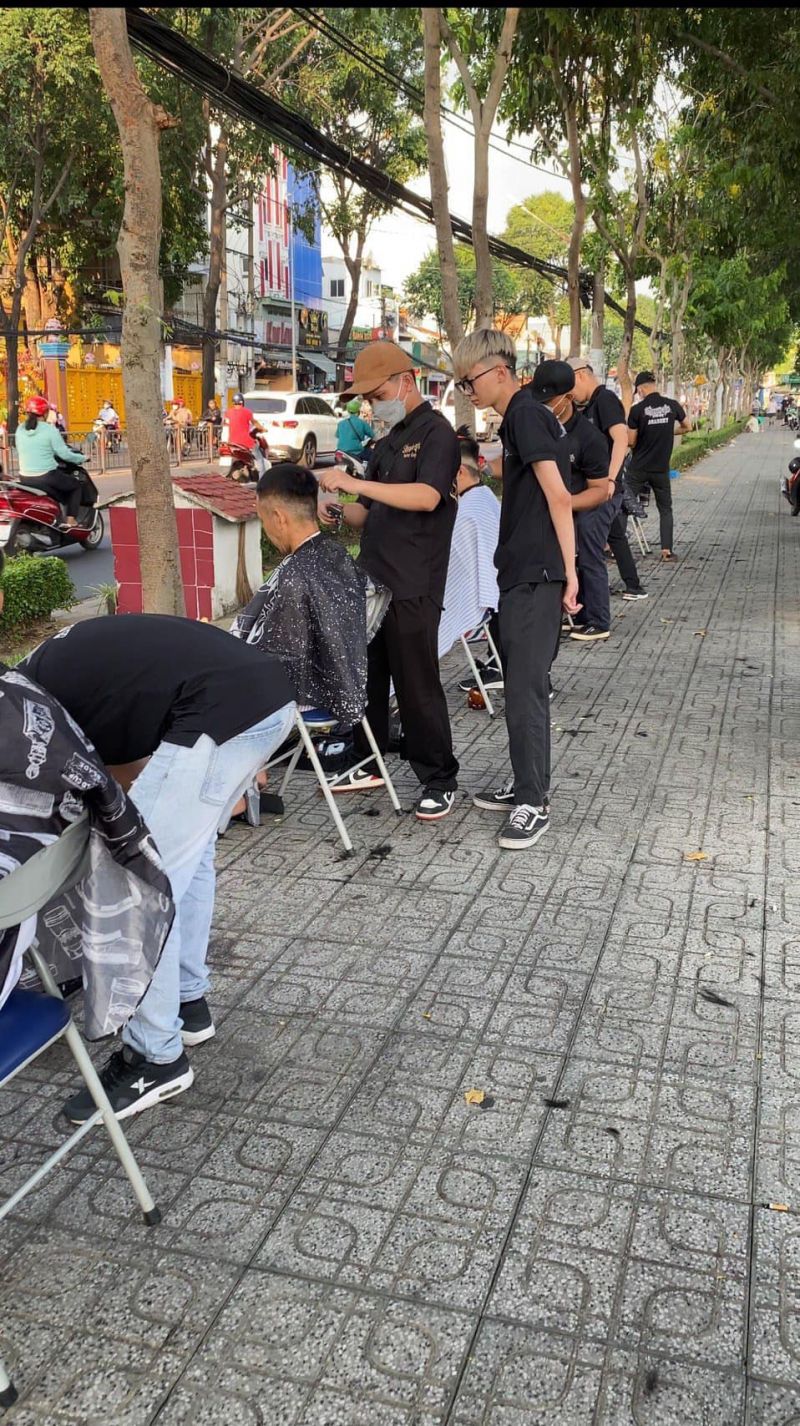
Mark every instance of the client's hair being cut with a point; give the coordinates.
(481, 346)
(292, 486)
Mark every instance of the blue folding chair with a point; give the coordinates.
(30, 1022)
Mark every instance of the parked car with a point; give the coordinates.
(298, 425)
(487, 423)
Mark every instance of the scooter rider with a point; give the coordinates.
(241, 424)
(43, 454)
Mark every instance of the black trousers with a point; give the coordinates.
(405, 652)
(61, 485)
(530, 626)
(661, 486)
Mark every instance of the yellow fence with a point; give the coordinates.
(87, 389)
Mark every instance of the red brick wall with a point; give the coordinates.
(196, 548)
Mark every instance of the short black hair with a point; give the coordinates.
(468, 446)
(292, 485)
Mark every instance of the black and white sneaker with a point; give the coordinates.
(434, 804)
(588, 634)
(524, 826)
(197, 1023)
(491, 677)
(132, 1084)
(360, 779)
(497, 799)
(631, 594)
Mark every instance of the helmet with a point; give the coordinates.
(179, 401)
(37, 406)
(354, 407)
(238, 399)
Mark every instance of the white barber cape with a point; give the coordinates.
(471, 586)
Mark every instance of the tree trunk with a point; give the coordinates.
(678, 305)
(576, 236)
(32, 298)
(139, 123)
(353, 265)
(451, 310)
(11, 334)
(628, 326)
(484, 296)
(216, 169)
(597, 353)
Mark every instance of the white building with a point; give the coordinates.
(374, 313)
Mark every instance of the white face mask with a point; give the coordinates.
(389, 413)
(559, 415)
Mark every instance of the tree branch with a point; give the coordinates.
(730, 63)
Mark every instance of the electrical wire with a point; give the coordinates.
(414, 95)
(292, 131)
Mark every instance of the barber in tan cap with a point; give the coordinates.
(405, 510)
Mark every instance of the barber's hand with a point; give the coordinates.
(338, 479)
(325, 515)
(612, 489)
(569, 600)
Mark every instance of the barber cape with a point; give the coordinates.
(112, 925)
(313, 614)
(471, 586)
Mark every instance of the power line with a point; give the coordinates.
(294, 132)
(412, 93)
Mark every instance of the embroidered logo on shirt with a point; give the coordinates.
(410, 452)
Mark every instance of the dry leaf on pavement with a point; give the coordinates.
(695, 856)
(475, 1096)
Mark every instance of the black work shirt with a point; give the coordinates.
(588, 452)
(653, 418)
(137, 680)
(528, 551)
(409, 550)
(604, 411)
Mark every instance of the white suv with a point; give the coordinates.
(299, 425)
(487, 423)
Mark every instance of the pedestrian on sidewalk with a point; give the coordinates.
(604, 409)
(406, 509)
(204, 712)
(653, 421)
(536, 572)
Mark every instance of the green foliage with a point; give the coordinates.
(33, 588)
(423, 289)
(541, 226)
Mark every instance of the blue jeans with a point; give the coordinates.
(592, 528)
(183, 795)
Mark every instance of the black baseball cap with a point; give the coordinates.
(645, 378)
(552, 378)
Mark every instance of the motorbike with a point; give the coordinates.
(112, 433)
(239, 462)
(30, 518)
(790, 485)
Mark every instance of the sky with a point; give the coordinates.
(398, 243)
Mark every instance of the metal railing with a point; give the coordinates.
(108, 451)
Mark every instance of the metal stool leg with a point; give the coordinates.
(290, 767)
(494, 648)
(382, 769)
(323, 782)
(8, 1392)
(484, 692)
(152, 1214)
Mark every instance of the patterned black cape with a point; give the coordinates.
(312, 615)
(112, 926)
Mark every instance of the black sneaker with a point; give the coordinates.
(524, 826)
(132, 1084)
(589, 634)
(497, 799)
(635, 594)
(197, 1023)
(500, 799)
(434, 804)
(491, 675)
(361, 779)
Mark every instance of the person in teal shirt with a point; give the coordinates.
(43, 453)
(352, 434)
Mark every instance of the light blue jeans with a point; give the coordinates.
(184, 794)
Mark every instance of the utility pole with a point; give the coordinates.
(251, 288)
(223, 318)
(291, 291)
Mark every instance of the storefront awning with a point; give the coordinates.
(320, 363)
